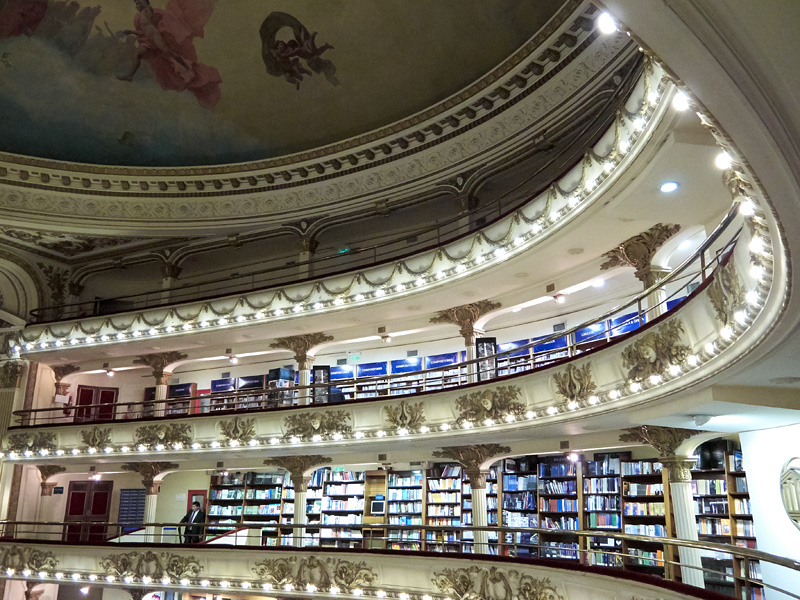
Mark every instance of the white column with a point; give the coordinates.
(150, 501)
(680, 486)
(657, 299)
(300, 517)
(162, 389)
(305, 396)
(480, 514)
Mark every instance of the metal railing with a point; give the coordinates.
(733, 568)
(621, 320)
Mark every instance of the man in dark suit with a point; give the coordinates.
(195, 524)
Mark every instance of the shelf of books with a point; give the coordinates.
(520, 503)
(492, 496)
(313, 509)
(559, 500)
(644, 513)
(342, 504)
(443, 507)
(710, 492)
(225, 505)
(742, 530)
(602, 508)
(406, 492)
(263, 501)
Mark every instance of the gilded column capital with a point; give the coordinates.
(297, 465)
(300, 345)
(679, 468)
(9, 374)
(665, 440)
(465, 316)
(60, 372)
(472, 458)
(159, 362)
(149, 472)
(638, 252)
(47, 471)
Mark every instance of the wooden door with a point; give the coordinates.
(86, 515)
(98, 403)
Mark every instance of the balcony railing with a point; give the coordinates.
(734, 568)
(621, 321)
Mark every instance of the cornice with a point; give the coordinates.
(522, 103)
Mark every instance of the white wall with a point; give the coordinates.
(765, 452)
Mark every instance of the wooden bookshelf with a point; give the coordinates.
(560, 498)
(644, 483)
(520, 504)
(405, 506)
(443, 506)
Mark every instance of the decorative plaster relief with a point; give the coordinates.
(494, 583)
(322, 573)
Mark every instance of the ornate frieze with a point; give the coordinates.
(473, 458)
(239, 430)
(726, 293)
(149, 471)
(321, 573)
(158, 362)
(575, 383)
(490, 405)
(300, 345)
(665, 440)
(406, 415)
(168, 434)
(57, 280)
(150, 564)
(465, 316)
(36, 441)
(323, 423)
(639, 250)
(654, 352)
(494, 583)
(21, 558)
(96, 437)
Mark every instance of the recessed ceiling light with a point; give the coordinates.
(668, 187)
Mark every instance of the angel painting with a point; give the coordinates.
(166, 41)
(285, 58)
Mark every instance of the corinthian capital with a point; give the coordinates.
(159, 362)
(665, 440)
(639, 250)
(472, 457)
(300, 345)
(465, 316)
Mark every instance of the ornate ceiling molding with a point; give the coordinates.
(158, 362)
(465, 316)
(639, 250)
(300, 345)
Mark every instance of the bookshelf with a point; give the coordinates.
(313, 508)
(742, 529)
(226, 503)
(492, 496)
(405, 506)
(602, 507)
(342, 504)
(263, 503)
(644, 486)
(375, 508)
(559, 501)
(443, 506)
(520, 503)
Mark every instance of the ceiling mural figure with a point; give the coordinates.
(283, 58)
(165, 40)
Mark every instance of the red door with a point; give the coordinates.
(95, 403)
(86, 515)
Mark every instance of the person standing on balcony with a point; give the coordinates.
(195, 523)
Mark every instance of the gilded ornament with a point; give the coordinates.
(654, 352)
(665, 440)
(166, 434)
(465, 316)
(323, 573)
(149, 472)
(639, 250)
(473, 458)
(34, 442)
(300, 345)
(96, 437)
(240, 430)
(151, 564)
(494, 404)
(726, 293)
(323, 423)
(33, 559)
(47, 471)
(297, 466)
(159, 362)
(493, 583)
(575, 384)
(406, 415)
(9, 374)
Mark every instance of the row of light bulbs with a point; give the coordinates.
(498, 254)
(223, 584)
(727, 334)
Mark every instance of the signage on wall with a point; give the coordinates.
(372, 369)
(407, 365)
(440, 360)
(342, 372)
(58, 490)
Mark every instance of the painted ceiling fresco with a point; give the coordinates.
(192, 82)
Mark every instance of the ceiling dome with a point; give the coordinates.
(199, 82)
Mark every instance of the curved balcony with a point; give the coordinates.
(150, 559)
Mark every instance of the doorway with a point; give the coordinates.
(86, 515)
(95, 403)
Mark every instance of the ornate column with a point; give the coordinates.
(169, 276)
(473, 458)
(9, 388)
(61, 371)
(74, 291)
(159, 362)
(301, 345)
(46, 471)
(150, 472)
(465, 316)
(638, 252)
(298, 466)
(666, 440)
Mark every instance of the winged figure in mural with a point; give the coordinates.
(289, 59)
(166, 40)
